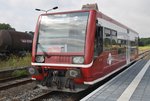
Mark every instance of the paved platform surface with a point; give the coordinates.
(131, 85)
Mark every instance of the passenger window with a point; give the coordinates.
(107, 39)
(122, 46)
(114, 39)
(110, 39)
(107, 32)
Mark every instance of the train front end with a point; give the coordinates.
(62, 47)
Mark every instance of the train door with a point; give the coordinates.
(98, 48)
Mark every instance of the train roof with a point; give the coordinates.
(105, 17)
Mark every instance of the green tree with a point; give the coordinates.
(6, 26)
(144, 41)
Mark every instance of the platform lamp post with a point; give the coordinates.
(46, 10)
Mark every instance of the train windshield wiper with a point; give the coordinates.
(45, 53)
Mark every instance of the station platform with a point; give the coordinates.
(133, 84)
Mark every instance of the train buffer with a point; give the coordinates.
(133, 84)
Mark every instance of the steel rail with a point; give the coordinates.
(14, 83)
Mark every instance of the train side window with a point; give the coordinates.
(98, 47)
(114, 33)
(107, 32)
(114, 39)
(121, 46)
(107, 39)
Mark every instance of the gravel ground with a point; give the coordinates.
(29, 91)
(59, 96)
(29, 95)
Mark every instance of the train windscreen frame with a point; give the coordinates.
(63, 33)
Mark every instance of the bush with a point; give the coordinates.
(15, 61)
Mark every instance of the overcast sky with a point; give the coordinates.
(21, 14)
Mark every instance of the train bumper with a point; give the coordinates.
(65, 85)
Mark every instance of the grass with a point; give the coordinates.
(15, 61)
(144, 48)
(19, 73)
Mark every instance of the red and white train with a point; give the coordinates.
(73, 50)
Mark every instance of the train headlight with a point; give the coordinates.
(40, 59)
(78, 59)
(73, 73)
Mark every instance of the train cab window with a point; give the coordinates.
(107, 39)
(98, 47)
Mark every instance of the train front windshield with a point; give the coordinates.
(63, 33)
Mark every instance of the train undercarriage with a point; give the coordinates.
(60, 80)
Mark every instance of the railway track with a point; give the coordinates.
(16, 92)
(146, 56)
(8, 81)
(8, 73)
(41, 96)
(13, 83)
